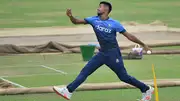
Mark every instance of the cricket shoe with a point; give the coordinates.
(148, 94)
(63, 92)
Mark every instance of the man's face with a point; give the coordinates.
(102, 9)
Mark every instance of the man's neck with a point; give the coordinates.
(104, 17)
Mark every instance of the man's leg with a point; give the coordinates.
(91, 66)
(115, 62)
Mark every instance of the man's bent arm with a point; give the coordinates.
(135, 39)
(73, 19)
(77, 21)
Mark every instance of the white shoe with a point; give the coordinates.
(63, 92)
(148, 95)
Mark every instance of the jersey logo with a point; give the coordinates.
(103, 29)
(117, 60)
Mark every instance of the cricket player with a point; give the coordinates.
(109, 54)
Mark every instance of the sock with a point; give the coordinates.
(69, 89)
(147, 88)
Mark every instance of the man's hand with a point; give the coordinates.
(73, 19)
(146, 48)
(68, 12)
(136, 40)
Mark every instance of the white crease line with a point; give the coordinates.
(53, 69)
(29, 75)
(6, 66)
(12, 82)
(32, 75)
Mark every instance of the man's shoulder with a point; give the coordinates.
(115, 21)
(93, 17)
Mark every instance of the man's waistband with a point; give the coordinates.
(109, 49)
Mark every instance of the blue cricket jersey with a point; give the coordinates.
(105, 31)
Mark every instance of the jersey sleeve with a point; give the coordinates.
(89, 20)
(120, 28)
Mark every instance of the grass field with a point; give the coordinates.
(167, 48)
(39, 13)
(166, 94)
(27, 70)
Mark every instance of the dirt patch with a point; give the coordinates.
(155, 32)
(156, 23)
(79, 39)
(131, 26)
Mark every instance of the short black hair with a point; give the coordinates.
(107, 4)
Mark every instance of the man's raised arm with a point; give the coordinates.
(73, 19)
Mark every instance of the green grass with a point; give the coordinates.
(166, 67)
(167, 48)
(26, 70)
(40, 13)
(165, 94)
